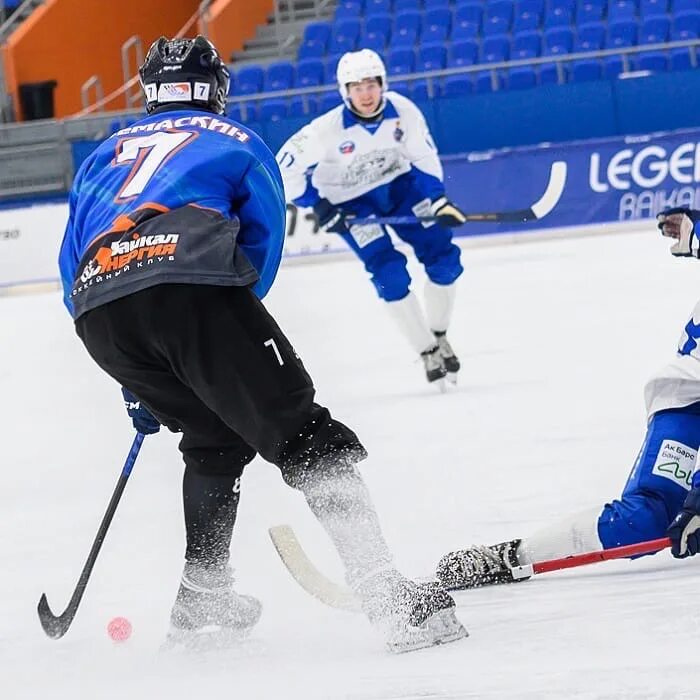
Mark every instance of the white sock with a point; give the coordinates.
(410, 320)
(574, 535)
(439, 302)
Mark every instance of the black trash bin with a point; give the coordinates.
(37, 99)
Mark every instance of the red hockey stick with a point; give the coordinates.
(630, 550)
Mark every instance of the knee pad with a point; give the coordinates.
(659, 481)
(323, 445)
(445, 267)
(389, 275)
(218, 461)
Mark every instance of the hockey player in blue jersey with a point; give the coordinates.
(374, 156)
(175, 233)
(662, 494)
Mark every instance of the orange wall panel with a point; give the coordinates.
(72, 40)
(231, 22)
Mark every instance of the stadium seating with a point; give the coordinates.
(430, 35)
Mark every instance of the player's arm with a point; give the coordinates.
(260, 207)
(679, 223)
(424, 157)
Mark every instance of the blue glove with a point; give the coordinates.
(330, 217)
(679, 223)
(684, 531)
(141, 417)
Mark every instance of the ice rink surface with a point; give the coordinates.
(556, 339)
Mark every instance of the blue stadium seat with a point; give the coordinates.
(614, 65)
(374, 7)
(495, 49)
(309, 72)
(621, 33)
(381, 24)
(248, 112)
(552, 73)
(534, 6)
(526, 45)
(558, 40)
(249, 80)
(469, 11)
(500, 8)
(273, 110)
(436, 25)
(463, 53)
(684, 59)
(588, 44)
(521, 78)
(376, 41)
(485, 80)
(592, 33)
(684, 6)
(303, 106)
(526, 17)
(279, 76)
(411, 5)
(401, 61)
(494, 26)
(566, 5)
(435, 4)
(586, 70)
(345, 36)
(420, 90)
(621, 9)
(654, 29)
(318, 31)
(233, 111)
(406, 29)
(431, 57)
(349, 9)
(686, 25)
(653, 7)
(589, 11)
(400, 86)
(332, 67)
(464, 30)
(558, 17)
(329, 100)
(655, 61)
(457, 85)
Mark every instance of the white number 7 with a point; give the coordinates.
(271, 344)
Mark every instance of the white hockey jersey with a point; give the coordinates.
(347, 158)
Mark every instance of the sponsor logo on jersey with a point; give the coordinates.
(346, 147)
(141, 250)
(675, 462)
(174, 92)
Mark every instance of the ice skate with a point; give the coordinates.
(208, 613)
(449, 359)
(434, 366)
(479, 566)
(410, 615)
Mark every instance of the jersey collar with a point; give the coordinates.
(350, 118)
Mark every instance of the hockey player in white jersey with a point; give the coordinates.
(662, 493)
(374, 156)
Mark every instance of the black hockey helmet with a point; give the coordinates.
(184, 71)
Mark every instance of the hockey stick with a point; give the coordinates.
(56, 626)
(306, 574)
(540, 209)
(337, 596)
(630, 550)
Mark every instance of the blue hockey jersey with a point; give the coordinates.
(175, 198)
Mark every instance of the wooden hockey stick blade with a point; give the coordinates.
(631, 550)
(306, 574)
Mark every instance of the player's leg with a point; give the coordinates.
(214, 458)
(387, 267)
(439, 255)
(242, 366)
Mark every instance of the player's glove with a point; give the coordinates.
(141, 417)
(330, 217)
(679, 223)
(684, 531)
(448, 214)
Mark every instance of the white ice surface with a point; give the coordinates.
(556, 339)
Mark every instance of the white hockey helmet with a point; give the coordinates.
(355, 66)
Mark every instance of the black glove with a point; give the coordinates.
(684, 531)
(329, 216)
(679, 223)
(141, 417)
(448, 214)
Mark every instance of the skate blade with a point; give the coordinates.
(441, 628)
(211, 638)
